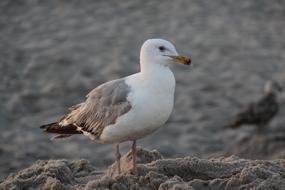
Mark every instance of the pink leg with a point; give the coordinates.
(134, 155)
(118, 159)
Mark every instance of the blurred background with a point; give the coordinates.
(52, 53)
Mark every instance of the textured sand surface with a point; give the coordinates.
(189, 173)
(52, 53)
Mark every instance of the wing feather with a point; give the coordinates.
(102, 107)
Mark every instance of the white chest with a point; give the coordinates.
(152, 100)
(153, 96)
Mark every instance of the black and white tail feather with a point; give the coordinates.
(102, 107)
(60, 131)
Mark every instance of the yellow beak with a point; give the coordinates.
(181, 59)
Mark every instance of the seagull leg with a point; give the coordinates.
(134, 155)
(118, 159)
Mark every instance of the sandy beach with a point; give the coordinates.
(52, 53)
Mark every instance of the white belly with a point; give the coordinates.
(152, 104)
(143, 119)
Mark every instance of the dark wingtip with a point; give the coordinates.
(43, 126)
(46, 126)
(57, 129)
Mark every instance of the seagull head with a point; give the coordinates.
(162, 52)
(272, 87)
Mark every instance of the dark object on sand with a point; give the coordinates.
(260, 113)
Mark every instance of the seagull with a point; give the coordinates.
(260, 113)
(129, 108)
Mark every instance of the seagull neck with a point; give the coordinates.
(270, 94)
(158, 77)
(153, 69)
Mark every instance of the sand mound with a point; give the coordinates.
(52, 174)
(154, 173)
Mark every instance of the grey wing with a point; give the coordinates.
(102, 107)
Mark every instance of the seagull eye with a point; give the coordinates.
(161, 48)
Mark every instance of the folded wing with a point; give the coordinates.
(103, 106)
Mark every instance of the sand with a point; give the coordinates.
(52, 53)
(154, 172)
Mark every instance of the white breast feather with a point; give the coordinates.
(152, 103)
